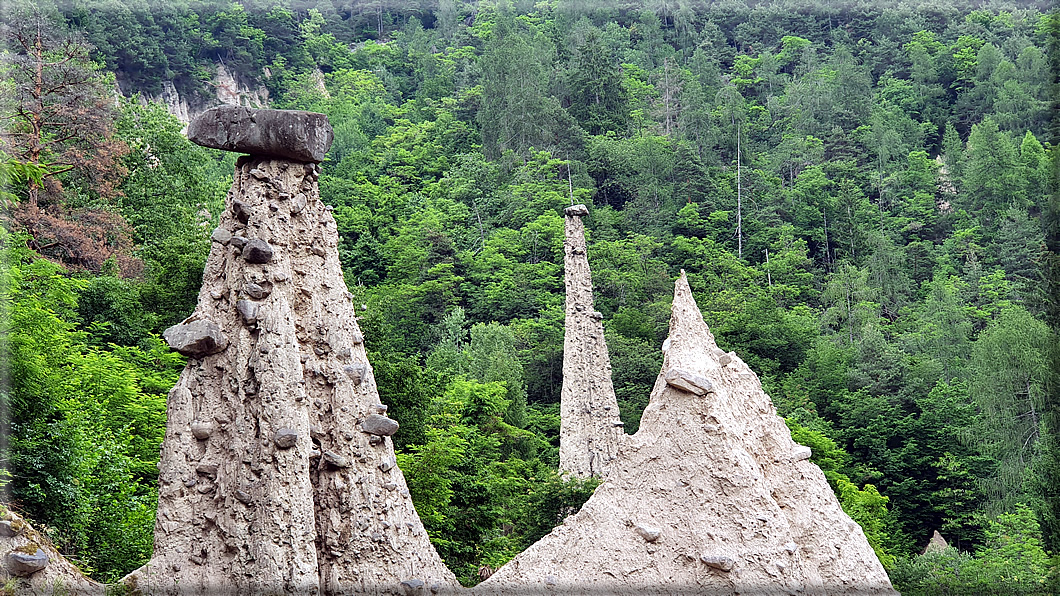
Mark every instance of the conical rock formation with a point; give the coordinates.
(590, 428)
(277, 471)
(936, 544)
(710, 496)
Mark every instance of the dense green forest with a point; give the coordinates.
(863, 195)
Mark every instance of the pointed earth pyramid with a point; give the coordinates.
(711, 496)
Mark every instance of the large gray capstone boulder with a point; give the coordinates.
(289, 134)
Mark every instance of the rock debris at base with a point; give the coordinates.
(30, 564)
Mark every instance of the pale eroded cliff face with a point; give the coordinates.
(227, 88)
(710, 496)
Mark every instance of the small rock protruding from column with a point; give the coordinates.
(241, 210)
(336, 460)
(719, 562)
(648, 533)
(355, 372)
(221, 236)
(248, 310)
(257, 251)
(255, 291)
(801, 453)
(290, 134)
(379, 425)
(201, 429)
(722, 356)
(285, 438)
(687, 381)
(298, 204)
(197, 338)
(24, 564)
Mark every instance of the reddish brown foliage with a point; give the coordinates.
(81, 239)
(60, 116)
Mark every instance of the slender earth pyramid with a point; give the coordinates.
(277, 472)
(590, 430)
(711, 496)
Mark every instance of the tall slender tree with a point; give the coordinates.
(598, 97)
(1049, 474)
(59, 108)
(59, 113)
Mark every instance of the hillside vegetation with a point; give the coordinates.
(863, 197)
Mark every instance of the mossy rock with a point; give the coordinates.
(30, 548)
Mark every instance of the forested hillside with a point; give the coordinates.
(863, 196)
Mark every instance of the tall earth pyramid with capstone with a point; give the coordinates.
(278, 472)
(591, 431)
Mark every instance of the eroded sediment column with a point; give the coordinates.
(710, 496)
(277, 471)
(590, 427)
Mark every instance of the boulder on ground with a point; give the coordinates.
(24, 564)
(30, 563)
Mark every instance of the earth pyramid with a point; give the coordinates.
(590, 429)
(277, 472)
(710, 496)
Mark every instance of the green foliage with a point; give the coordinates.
(1008, 370)
(1012, 562)
(477, 484)
(866, 506)
(860, 199)
(493, 359)
(86, 423)
(597, 94)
